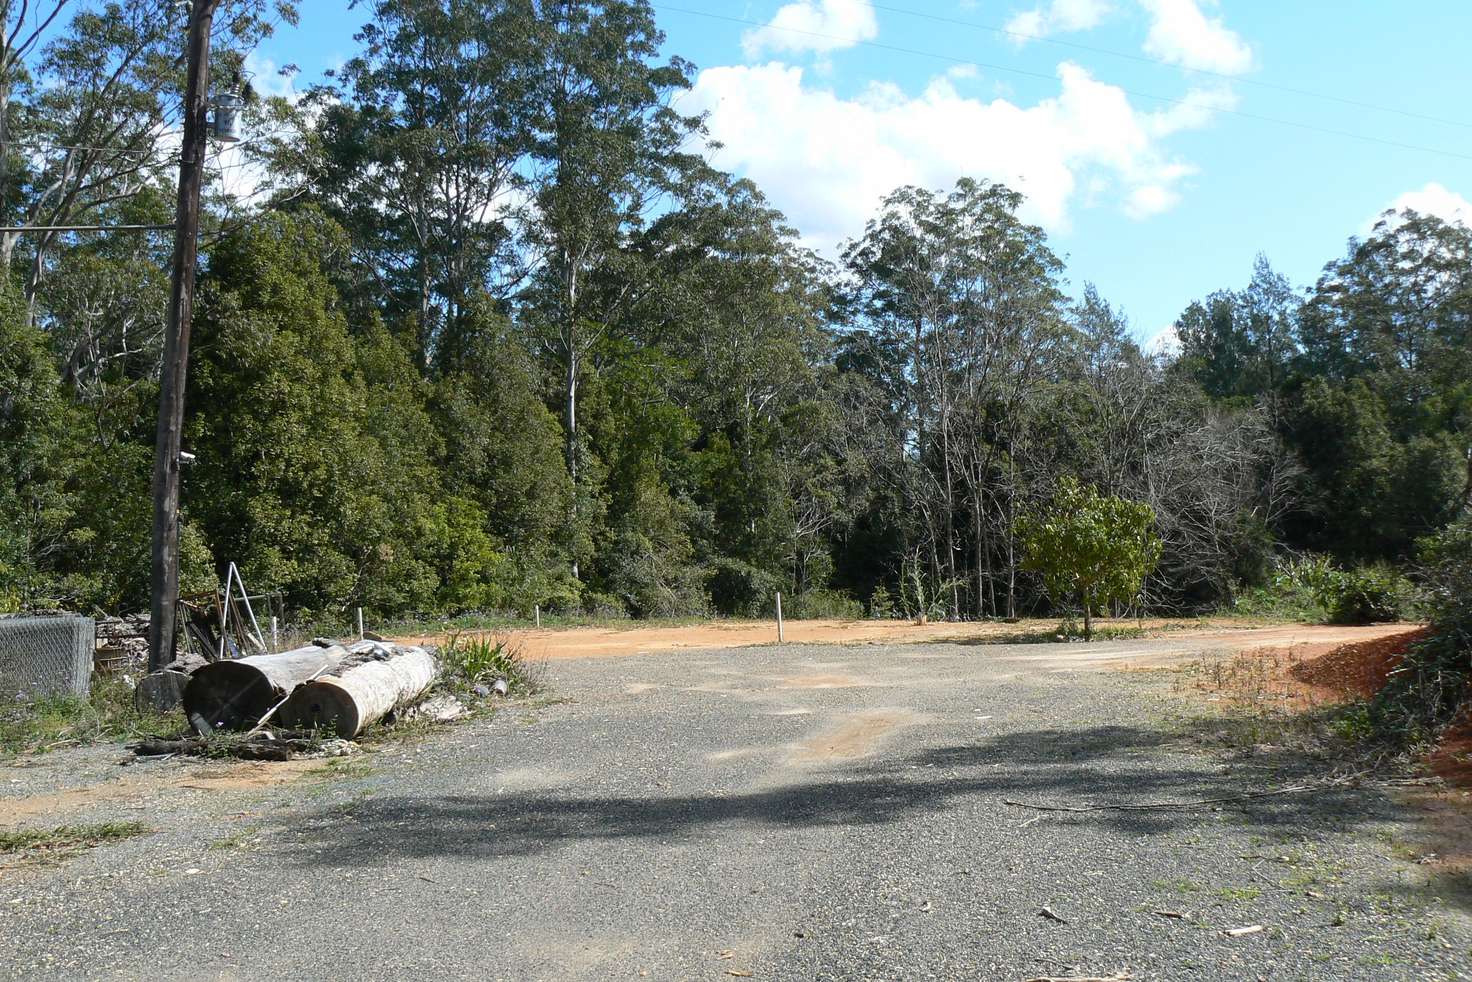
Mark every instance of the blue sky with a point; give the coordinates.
(1156, 200)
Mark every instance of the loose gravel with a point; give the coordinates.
(797, 812)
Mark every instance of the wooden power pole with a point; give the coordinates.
(164, 580)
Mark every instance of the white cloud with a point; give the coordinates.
(814, 25)
(1060, 16)
(826, 161)
(1433, 199)
(1182, 34)
(1164, 343)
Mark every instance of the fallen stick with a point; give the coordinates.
(276, 750)
(1238, 932)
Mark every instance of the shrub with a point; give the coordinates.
(1368, 595)
(602, 607)
(1291, 593)
(1311, 588)
(881, 604)
(480, 660)
(739, 589)
(651, 578)
(1431, 685)
(824, 604)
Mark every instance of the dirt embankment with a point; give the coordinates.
(1360, 669)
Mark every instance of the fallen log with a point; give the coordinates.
(235, 694)
(375, 680)
(284, 745)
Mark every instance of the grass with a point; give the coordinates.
(478, 660)
(1253, 706)
(1180, 885)
(106, 715)
(66, 839)
(243, 839)
(1070, 631)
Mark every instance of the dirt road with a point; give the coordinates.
(622, 641)
(802, 811)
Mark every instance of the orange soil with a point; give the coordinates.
(1310, 675)
(556, 644)
(1452, 760)
(637, 639)
(1357, 670)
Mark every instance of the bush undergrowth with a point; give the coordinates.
(1433, 684)
(62, 721)
(1312, 589)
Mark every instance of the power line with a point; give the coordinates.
(85, 228)
(1167, 100)
(1146, 59)
(42, 145)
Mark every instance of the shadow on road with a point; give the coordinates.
(1101, 765)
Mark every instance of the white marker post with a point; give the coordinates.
(780, 638)
(275, 644)
(537, 609)
(360, 623)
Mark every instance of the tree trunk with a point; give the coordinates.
(234, 695)
(570, 337)
(979, 538)
(374, 681)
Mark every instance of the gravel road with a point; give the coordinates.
(799, 812)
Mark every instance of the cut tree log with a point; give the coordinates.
(235, 694)
(375, 680)
(162, 691)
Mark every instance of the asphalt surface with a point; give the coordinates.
(773, 813)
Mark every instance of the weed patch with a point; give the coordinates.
(51, 724)
(478, 660)
(66, 839)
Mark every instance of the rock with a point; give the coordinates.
(337, 748)
(437, 709)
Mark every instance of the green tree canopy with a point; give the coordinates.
(1091, 547)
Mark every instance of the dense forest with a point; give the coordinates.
(480, 326)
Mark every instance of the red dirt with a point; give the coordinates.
(1452, 760)
(1360, 669)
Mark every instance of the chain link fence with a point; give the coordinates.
(46, 656)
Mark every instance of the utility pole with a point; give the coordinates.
(164, 579)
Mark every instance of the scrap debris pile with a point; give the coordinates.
(313, 699)
(122, 644)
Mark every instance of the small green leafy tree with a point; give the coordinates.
(1090, 546)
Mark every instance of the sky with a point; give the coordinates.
(1162, 144)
